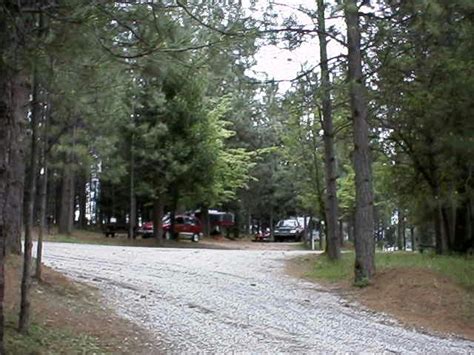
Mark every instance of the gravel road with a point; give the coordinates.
(234, 301)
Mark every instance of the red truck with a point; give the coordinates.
(187, 227)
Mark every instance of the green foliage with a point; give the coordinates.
(424, 107)
(346, 192)
(220, 171)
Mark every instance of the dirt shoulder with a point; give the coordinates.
(68, 317)
(416, 297)
(215, 242)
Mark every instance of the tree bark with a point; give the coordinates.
(158, 211)
(43, 194)
(13, 103)
(440, 232)
(331, 205)
(13, 100)
(272, 222)
(399, 230)
(82, 194)
(412, 237)
(67, 202)
(29, 208)
(133, 199)
(364, 216)
(206, 223)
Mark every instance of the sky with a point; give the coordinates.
(283, 64)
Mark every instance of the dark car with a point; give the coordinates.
(288, 229)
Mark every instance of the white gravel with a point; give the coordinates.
(219, 301)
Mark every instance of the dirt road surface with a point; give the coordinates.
(220, 301)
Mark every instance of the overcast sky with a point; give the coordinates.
(282, 64)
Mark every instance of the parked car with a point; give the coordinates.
(263, 236)
(288, 229)
(146, 230)
(184, 227)
(219, 221)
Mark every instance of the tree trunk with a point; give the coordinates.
(440, 238)
(412, 237)
(13, 100)
(14, 109)
(43, 194)
(132, 220)
(404, 234)
(399, 230)
(272, 222)
(42, 220)
(82, 194)
(29, 208)
(332, 214)
(364, 219)
(249, 223)
(66, 213)
(237, 222)
(158, 211)
(206, 223)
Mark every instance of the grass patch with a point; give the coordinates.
(458, 268)
(333, 271)
(41, 339)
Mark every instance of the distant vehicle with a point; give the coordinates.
(263, 236)
(146, 230)
(187, 227)
(219, 220)
(184, 227)
(288, 229)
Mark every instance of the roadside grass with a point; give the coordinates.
(42, 339)
(460, 269)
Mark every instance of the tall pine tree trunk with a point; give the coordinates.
(29, 207)
(412, 238)
(18, 87)
(14, 24)
(332, 214)
(399, 230)
(82, 199)
(133, 198)
(158, 211)
(364, 216)
(205, 221)
(43, 195)
(13, 98)
(67, 201)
